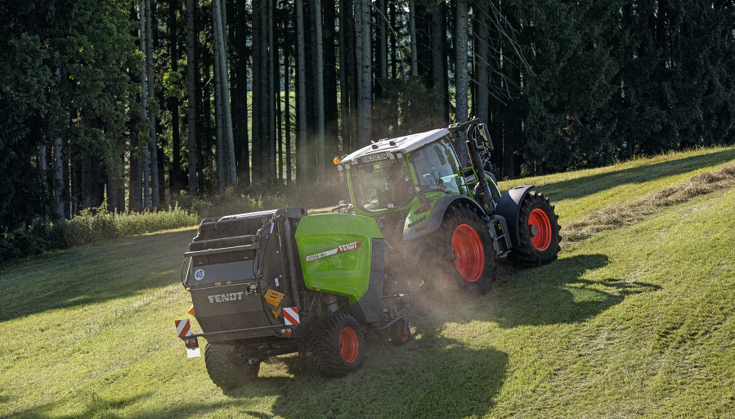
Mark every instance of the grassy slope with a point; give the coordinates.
(635, 321)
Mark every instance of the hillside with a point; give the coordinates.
(637, 320)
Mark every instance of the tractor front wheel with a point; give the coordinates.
(462, 250)
(538, 230)
(338, 346)
(226, 369)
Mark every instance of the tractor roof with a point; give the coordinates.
(403, 145)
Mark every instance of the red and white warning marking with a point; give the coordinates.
(183, 328)
(291, 316)
(341, 249)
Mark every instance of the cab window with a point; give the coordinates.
(381, 185)
(436, 168)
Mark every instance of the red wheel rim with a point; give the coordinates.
(468, 254)
(349, 345)
(542, 239)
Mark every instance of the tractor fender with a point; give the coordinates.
(437, 215)
(509, 207)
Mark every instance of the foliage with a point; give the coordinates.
(93, 226)
(171, 85)
(23, 84)
(616, 79)
(33, 240)
(63, 74)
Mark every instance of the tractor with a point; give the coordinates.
(282, 281)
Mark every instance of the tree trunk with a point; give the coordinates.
(364, 71)
(222, 171)
(42, 166)
(279, 122)
(58, 164)
(191, 88)
(414, 49)
(241, 93)
(265, 92)
(437, 54)
(175, 176)
(152, 93)
(230, 141)
(144, 104)
(257, 98)
(331, 106)
(319, 90)
(383, 40)
(382, 62)
(287, 105)
(271, 90)
(343, 89)
(302, 164)
(462, 78)
(112, 204)
(393, 42)
(482, 94)
(59, 176)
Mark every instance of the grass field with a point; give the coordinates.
(637, 321)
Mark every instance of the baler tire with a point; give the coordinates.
(441, 254)
(225, 369)
(338, 346)
(544, 247)
(398, 335)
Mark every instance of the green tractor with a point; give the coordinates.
(449, 218)
(282, 281)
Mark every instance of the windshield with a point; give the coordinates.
(382, 184)
(436, 168)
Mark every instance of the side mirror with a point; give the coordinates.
(485, 134)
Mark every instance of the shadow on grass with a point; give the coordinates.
(428, 377)
(92, 274)
(587, 185)
(559, 293)
(551, 294)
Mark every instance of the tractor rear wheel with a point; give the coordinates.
(226, 369)
(538, 230)
(461, 249)
(338, 346)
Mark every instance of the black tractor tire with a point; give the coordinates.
(226, 369)
(538, 230)
(338, 346)
(461, 249)
(400, 333)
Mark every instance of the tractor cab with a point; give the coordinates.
(394, 175)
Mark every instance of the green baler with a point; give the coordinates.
(282, 281)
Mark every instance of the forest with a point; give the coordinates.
(134, 104)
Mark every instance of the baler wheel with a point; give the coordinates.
(538, 228)
(226, 369)
(338, 346)
(400, 333)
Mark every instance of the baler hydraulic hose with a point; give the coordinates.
(291, 264)
(267, 249)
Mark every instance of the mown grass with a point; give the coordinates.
(636, 321)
